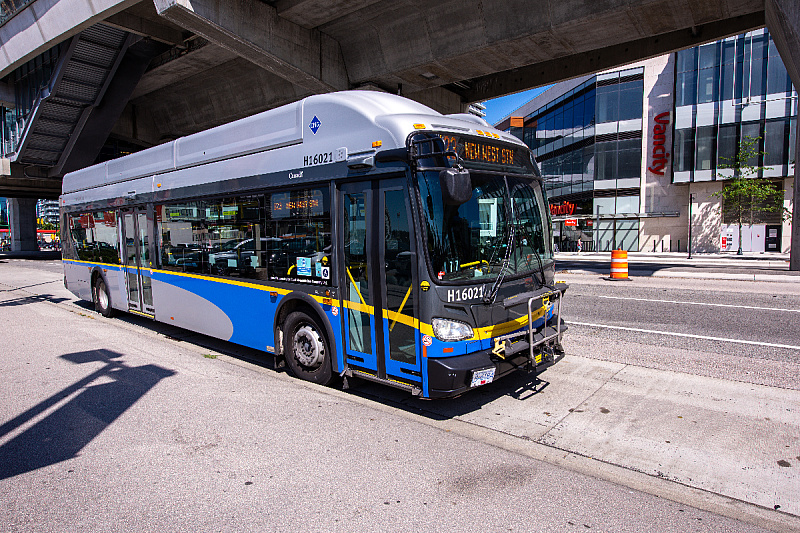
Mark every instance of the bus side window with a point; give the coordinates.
(105, 235)
(298, 236)
(82, 236)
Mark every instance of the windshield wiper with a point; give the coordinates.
(538, 258)
(489, 298)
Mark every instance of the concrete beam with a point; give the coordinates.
(794, 245)
(427, 44)
(183, 66)
(146, 28)
(253, 30)
(555, 70)
(198, 102)
(45, 23)
(313, 13)
(440, 99)
(15, 184)
(783, 23)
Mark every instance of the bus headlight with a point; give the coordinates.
(451, 330)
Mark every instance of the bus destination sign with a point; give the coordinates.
(481, 151)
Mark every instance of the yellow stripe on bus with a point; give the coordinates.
(356, 306)
(396, 317)
(424, 328)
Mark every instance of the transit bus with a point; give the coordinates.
(351, 234)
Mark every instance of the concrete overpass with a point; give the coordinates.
(175, 67)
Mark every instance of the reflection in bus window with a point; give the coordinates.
(281, 236)
(359, 306)
(399, 288)
(94, 236)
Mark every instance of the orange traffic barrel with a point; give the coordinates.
(619, 265)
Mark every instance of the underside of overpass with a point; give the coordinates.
(161, 69)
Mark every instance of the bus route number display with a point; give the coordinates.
(479, 151)
(286, 204)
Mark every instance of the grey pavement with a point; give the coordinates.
(126, 424)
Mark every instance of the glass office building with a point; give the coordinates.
(624, 151)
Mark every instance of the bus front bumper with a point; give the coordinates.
(451, 376)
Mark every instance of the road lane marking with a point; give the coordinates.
(687, 335)
(692, 303)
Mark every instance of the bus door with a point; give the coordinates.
(136, 236)
(379, 279)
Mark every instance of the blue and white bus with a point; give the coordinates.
(349, 234)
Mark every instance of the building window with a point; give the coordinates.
(776, 142)
(630, 99)
(607, 104)
(684, 150)
(705, 148)
(728, 69)
(708, 74)
(606, 154)
(629, 158)
(753, 131)
(726, 145)
(619, 101)
(754, 72)
(686, 77)
(778, 81)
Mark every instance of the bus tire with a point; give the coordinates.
(102, 301)
(307, 351)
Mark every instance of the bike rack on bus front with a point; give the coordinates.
(548, 333)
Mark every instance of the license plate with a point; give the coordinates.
(482, 377)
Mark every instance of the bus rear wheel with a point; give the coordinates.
(307, 353)
(102, 301)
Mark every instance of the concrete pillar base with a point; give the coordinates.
(22, 223)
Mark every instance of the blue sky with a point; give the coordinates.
(499, 108)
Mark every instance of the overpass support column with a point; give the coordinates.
(22, 223)
(794, 254)
(783, 22)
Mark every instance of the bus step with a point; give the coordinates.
(416, 391)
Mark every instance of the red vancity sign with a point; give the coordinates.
(564, 208)
(660, 154)
(571, 222)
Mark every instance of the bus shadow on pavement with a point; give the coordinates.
(200, 341)
(25, 300)
(92, 404)
(518, 385)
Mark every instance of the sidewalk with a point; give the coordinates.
(771, 258)
(751, 266)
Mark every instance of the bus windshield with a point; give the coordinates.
(469, 243)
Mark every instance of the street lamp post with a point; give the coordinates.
(691, 200)
(597, 227)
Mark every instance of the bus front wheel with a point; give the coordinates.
(102, 302)
(307, 353)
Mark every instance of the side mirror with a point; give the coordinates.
(456, 186)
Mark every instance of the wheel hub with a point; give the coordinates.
(308, 347)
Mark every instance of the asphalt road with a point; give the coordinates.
(750, 321)
(122, 424)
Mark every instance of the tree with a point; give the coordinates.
(744, 195)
